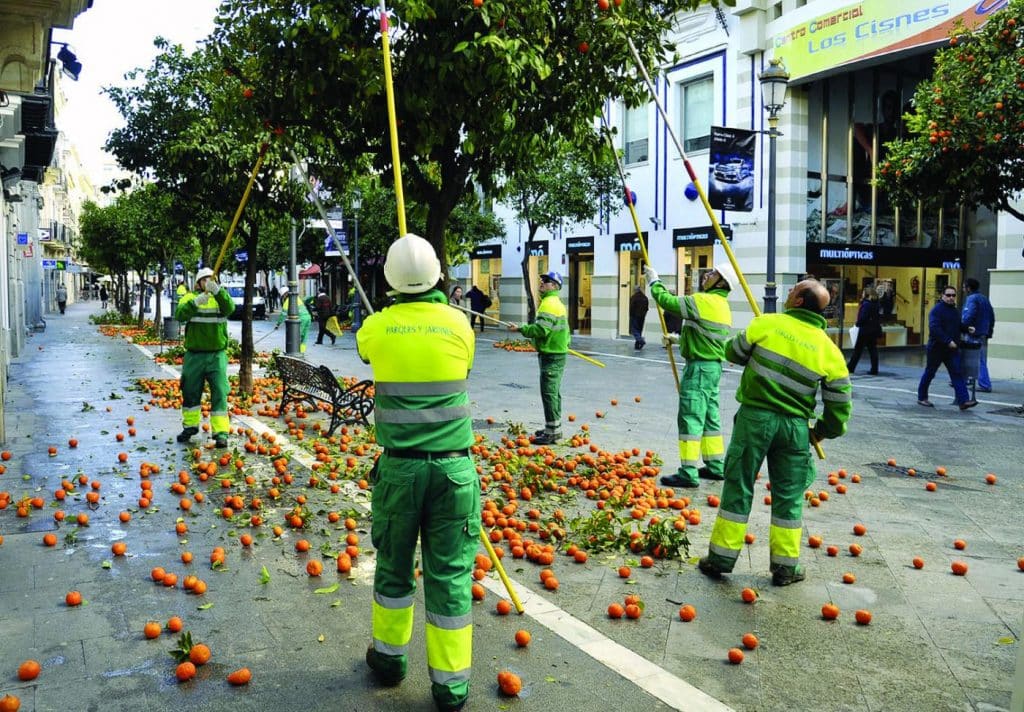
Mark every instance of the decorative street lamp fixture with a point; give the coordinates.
(774, 82)
(357, 308)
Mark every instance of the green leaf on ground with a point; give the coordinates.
(264, 576)
(204, 607)
(329, 589)
(107, 564)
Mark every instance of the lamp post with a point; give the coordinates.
(291, 322)
(357, 308)
(774, 81)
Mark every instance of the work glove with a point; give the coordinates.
(202, 300)
(650, 275)
(513, 327)
(667, 339)
(211, 286)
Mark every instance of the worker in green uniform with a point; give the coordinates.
(305, 318)
(785, 357)
(204, 313)
(426, 485)
(550, 334)
(706, 320)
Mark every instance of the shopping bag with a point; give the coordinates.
(334, 326)
(854, 332)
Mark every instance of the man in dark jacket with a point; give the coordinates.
(478, 302)
(979, 321)
(638, 306)
(869, 328)
(324, 311)
(943, 348)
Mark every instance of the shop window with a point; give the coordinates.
(697, 102)
(635, 133)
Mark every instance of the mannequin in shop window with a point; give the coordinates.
(863, 150)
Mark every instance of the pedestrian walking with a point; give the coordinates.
(426, 483)
(785, 358)
(324, 311)
(638, 306)
(62, 297)
(305, 318)
(205, 313)
(704, 329)
(550, 334)
(944, 349)
(979, 321)
(478, 302)
(104, 297)
(869, 328)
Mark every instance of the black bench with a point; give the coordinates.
(306, 383)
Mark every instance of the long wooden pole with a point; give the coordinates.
(703, 199)
(241, 207)
(392, 120)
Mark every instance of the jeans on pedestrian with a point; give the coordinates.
(940, 354)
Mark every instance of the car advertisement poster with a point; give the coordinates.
(731, 169)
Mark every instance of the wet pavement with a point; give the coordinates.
(936, 641)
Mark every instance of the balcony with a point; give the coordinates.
(24, 39)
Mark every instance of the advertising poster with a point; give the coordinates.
(731, 169)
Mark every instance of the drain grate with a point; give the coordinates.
(901, 472)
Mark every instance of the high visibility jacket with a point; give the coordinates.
(786, 356)
(206, 328)
(421, 351)
(550, 330)
(304, 315)
(706, 321)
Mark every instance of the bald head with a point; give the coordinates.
(809, 294)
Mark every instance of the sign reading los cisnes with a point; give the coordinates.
(811, 42)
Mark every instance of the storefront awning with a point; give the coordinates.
(311, 271)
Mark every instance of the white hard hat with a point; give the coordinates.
(283, 289)
(727, 273)
(411, 266)
(204, 273)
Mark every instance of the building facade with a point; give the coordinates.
(853, 71)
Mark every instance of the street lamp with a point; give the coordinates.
(357, 308)
(774, 81)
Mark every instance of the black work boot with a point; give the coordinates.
(785, 575)
(710, 569)
(706, 474)
(185, 435)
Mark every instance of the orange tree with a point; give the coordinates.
(966, 141)
(483, 88)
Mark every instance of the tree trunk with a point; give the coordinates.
(158, 308)
(142, 298)
(245, 381)
(531, 309)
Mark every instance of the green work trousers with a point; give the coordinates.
(700, 424)
(782, 439)
(552, 366)
(198, 369)
(437, 501)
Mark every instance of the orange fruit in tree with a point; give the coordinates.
(687, 613)
(735, 656)
(862, 617)
(509, 683)
(240, 676)
(185, 671)
(830, 611)
(523, 638)
(615, 610)
(748, 595)
(199, 654)
(959, 544)
(750, 641)
(959, 568)
(151, 630)
(73, 598)
(29, 670)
